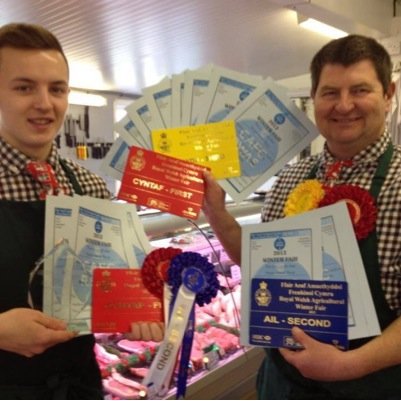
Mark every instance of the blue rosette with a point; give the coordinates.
(196, 273)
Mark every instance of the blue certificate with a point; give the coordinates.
(320, 308)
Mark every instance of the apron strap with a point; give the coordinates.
(369, 252)
(71, 176)
(381, 171)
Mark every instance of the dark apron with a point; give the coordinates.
(384, 384)
(65, 371)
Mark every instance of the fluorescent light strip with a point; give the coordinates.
(324, 29)
(86, 99)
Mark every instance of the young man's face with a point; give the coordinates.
(350, 107)
(33, 98)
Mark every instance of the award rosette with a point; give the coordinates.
(154, 274)
(312, 194)
(361, 207)
(192, 279)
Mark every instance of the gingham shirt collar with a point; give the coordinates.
(367, 156)
(13, 162)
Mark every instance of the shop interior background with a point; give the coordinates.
(118, 47)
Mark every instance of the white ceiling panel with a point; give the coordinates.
(125, 45)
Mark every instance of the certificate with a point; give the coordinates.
(116, 158)
(97, 233)
(211, 145)
(318, 307)
(130, 132)
(163, 182)
(291, 253)
(177, 90)
(342, 261)
(271, 130)
(120, 298)
(269, 251)
(195, 91)
(226, 90)
(161, 94)
(320, 246)
(141, 115)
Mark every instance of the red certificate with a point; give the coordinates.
(119, 298)
(162, 182)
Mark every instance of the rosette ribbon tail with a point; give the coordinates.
(158, 378)
(192, 279)
(185, 356)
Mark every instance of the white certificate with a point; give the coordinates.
(139, 241)
(114, 162)
(312, 246)
(101, 233)
(144, 120)
(265, 254)
(342, 261)
(295, 261)
(271, 130)
(226, 90)
(161, 94)
(60, 218)
(127, 129)
(177, 90)
(193, 97)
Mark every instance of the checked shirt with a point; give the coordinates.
(17, 184)
(361, 173)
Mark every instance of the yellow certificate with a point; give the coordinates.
(213, 145)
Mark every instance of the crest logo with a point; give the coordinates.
(98, 227)
(164, 143)
(263, 296)
(105, 284)
(279, 243)
(137, 161)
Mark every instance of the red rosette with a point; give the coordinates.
(154, 269)
(360, 203)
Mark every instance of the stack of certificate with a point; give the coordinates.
(305, 271)
(83, 233)
(270, 129)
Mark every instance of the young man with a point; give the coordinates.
(352, 91)
(39, 357)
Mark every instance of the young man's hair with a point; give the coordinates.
(29, 37)
(350, 50)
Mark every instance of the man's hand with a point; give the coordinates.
(214, 199)
(320, 361)
(226, 228)
(29, 332)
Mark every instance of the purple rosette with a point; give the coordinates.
(196, 273)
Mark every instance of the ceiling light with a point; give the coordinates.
(320, 27)
(86, 99)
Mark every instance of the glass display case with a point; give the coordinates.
(219, 368)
